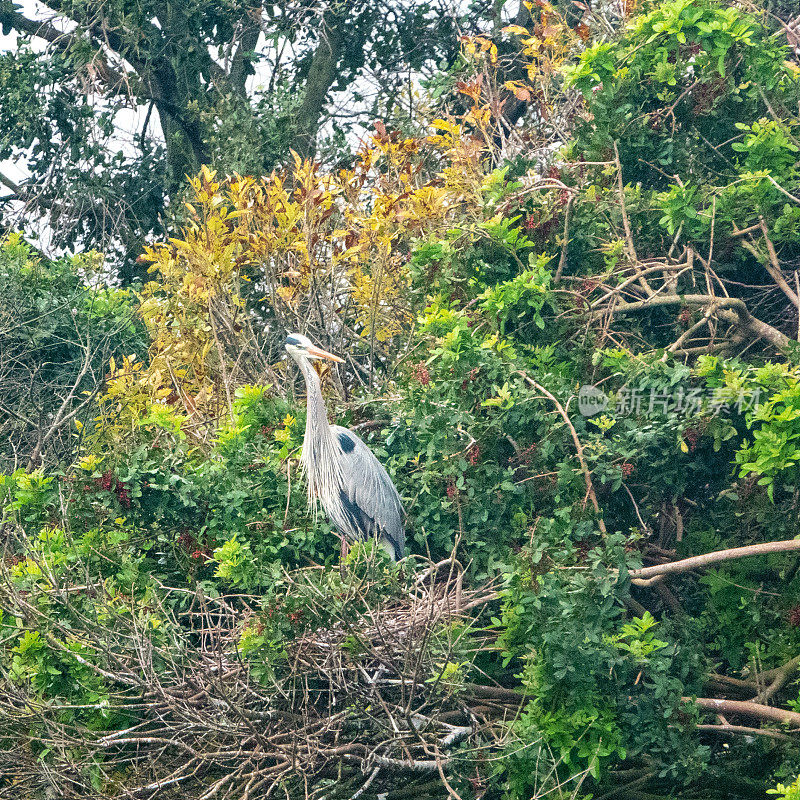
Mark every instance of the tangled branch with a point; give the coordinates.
(375, 692)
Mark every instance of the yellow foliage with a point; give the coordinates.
(543, 50)
(295, 245)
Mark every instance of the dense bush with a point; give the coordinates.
(59, 327)
(174, 619)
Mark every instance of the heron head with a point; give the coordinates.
(299, 346)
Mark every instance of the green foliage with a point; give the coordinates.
(688, 67)
(519, 301)
(185, 493)
(772, 395)
(695, 100)
(59, 325)
(66, 108)
(791, 792)
(235, 563)
(637, 638)
(586, 662)
(767, 146)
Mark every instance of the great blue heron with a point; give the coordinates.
(343, 474)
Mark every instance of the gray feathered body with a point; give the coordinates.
(351, 484)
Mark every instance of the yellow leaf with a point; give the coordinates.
(444, 125)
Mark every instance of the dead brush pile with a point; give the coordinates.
(332, 685)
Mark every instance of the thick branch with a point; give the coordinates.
(41, 29)
(15, 187)
(781, 678)
(321, 75)
(706, 560)
(747, 709)
(495, 692)
(731, 309)
(242, 58)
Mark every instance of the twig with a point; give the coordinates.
(578, 448)
(562, 261)
(634, 258)
(687, 334)
(797, 290)
(781, 189)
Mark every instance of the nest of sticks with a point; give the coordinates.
(339, 709)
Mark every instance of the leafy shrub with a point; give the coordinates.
(172, 583)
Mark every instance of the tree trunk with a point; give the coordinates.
(321, 76)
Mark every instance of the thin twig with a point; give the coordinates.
(578, 447)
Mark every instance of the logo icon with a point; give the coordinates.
(591, 401)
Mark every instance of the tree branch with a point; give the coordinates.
(242, 58)
(731, 309)
(744, 730)
(321, 75)
(747, 709)
(781, 678)
(706, 560)
(15, 187)
(64, 42)
(772, 265)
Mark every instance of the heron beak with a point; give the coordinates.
(318, 352)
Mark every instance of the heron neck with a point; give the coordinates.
(319, 454)
(316, 413)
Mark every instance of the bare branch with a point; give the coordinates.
(708, 559)
(731, 309)
(744, 730)
(747, 709)
(772, 265)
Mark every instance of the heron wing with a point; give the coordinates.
(368, 503)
